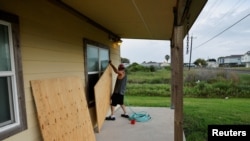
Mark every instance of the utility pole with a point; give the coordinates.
(190, 52)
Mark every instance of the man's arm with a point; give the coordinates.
(114, 68)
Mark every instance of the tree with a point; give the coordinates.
(200, 62)
(125, 60)
(167, 57)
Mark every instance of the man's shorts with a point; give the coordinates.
(117, 98)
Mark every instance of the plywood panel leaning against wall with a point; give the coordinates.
(102, 96)
(62, 109)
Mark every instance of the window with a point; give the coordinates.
(97, 57)
(12, 110)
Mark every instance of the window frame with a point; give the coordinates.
(91, 103)
(20, 117)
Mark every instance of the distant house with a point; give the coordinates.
(245, 59)
(155, 64)
(164, 64)
(211, 63)
(150, 63)
(189, 65)
(230, 61)
(220, 61)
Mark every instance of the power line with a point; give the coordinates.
(228, 12)
(232, 10)
(223, 31)
(213, 8)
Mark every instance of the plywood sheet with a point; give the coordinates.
(62, 109)
(103, 89)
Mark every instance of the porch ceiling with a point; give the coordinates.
(138, 19)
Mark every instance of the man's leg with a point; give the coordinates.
(112, 111)
(124, 109)
(125, 112)
(112, 107)
(112, 116)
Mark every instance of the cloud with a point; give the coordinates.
(216, 17)
(234, 40)
(145, 50)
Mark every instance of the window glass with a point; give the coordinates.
(12, 101)
(5, 101)
(92, 58)
(5, 63)
(104, 58)
(97, 61)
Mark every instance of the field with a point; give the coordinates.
(201, 112)
(225, 99)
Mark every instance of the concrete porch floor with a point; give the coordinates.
(159, 128)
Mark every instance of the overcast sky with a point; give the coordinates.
(222, 29)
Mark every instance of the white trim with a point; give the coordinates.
(14, 102)
(10, 126)
(6, 73)
(93, 72)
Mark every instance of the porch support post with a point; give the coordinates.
(173, 94)
(177, 86)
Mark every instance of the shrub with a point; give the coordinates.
(167, 68)
(198, 83)
(201, 89)
(148, 90)
(136, 67)
(152, 68)
(210, 76)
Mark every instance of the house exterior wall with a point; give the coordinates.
(148, 64)
(232, 60)
(246, 59)
(51, 42)
(220, 60)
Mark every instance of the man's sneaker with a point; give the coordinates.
(125, 115)
(110, 118)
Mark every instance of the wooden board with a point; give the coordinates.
(102, 96)
(62, 109)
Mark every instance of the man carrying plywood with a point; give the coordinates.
(119, 91)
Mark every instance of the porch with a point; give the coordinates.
(159, 128)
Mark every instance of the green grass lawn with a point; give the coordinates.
(201, 112)
(153, 89)
(147, 101)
